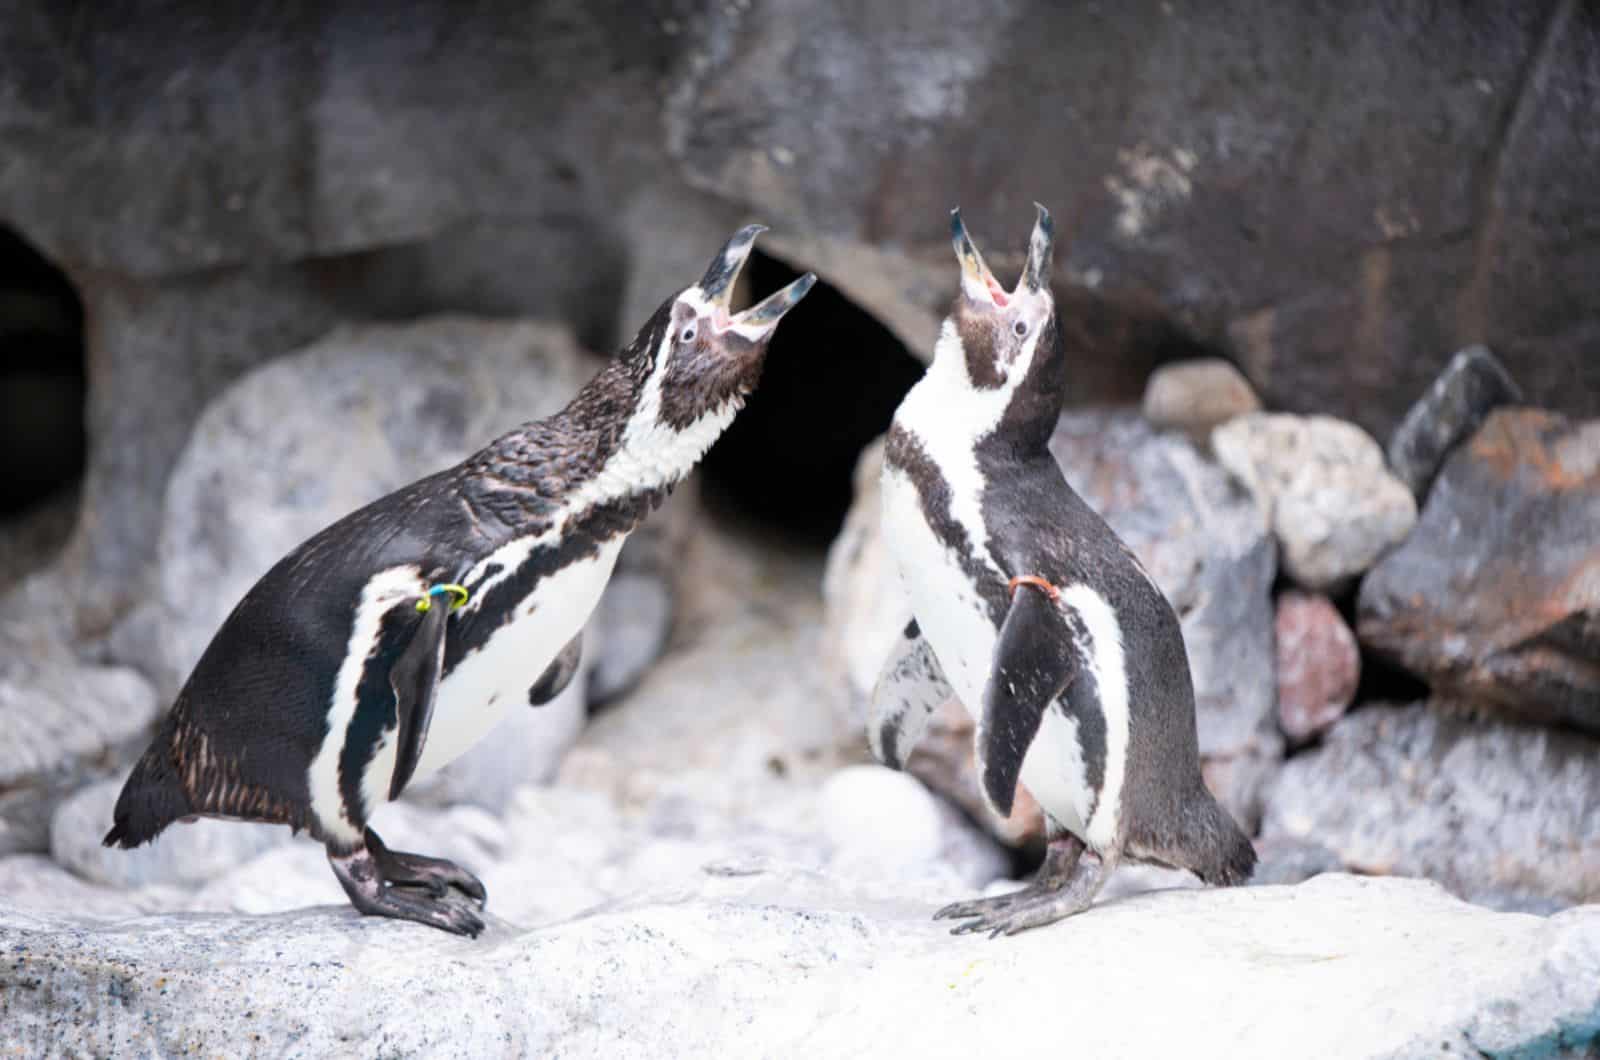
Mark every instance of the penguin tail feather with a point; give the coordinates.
(152, 798)
(1225, 855)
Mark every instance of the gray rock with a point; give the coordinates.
(63, 723)
(1197, 396)
(1495, 598)
(736, 714)
(184, 854)
(860, 591)
(34, 883)
(1471, 386)
(808, 964)
(1334, 506)
(1500, 814)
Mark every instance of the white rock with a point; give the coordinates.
(784, 962)
(870, 812)
(1197, 395)
(1334, 505)
(63, 723)
(184, 854)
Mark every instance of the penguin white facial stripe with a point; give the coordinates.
(381, 593)
(1108, 666)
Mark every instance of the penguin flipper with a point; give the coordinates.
(910, 688)
(558, 675)
(415, 678)
(1035, 660)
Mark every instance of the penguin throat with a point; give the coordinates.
(655, 454)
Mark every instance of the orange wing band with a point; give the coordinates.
(1037, 582)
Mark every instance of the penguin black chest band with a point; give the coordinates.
(1042, 584)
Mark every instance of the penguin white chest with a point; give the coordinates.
(495, 679)
(957, 625)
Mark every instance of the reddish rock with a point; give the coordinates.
(1494, 599)
(1319, 665)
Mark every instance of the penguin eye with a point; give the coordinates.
(688, 334)
(1020, 328)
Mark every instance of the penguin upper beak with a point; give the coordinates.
(718, 283)
(976, 279)
(1036, 274)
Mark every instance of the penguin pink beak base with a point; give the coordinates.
(756, 322)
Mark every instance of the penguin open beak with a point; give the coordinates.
(976, 279)
(717, 285)
(1036, 274)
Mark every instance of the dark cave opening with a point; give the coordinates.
(43, 378)
(833, 378)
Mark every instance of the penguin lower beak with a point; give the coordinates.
(718, 282)
(754, 323)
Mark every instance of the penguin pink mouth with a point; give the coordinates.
(758, 321)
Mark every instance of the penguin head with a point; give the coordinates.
(1005, 344)
(707, 355)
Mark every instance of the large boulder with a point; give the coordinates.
(1503, 814)
(1495, 598)
(771, 958)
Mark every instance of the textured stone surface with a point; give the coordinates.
(792, 963)
(1197, 396)
(1471, 386)
(1495, 598)
(1333, 505)
(1319, 664)
(184, 854)
(63, 722)
(1502, 814)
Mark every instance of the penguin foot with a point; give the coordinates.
(1066, 884)
(435, 875)
(372, 894)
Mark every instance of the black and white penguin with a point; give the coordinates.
(390, 642)
(1026, 607)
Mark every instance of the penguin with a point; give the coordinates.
(1027, 608)
(390, 642)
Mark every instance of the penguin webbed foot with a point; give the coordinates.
(1065, 885)
(434, 875)
(382, 882)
